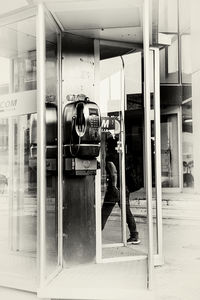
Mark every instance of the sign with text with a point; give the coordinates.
(17, 104)
(110, 123)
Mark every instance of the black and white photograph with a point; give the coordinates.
(99, 149)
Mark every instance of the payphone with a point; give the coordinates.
(81, 136)
(81, 146)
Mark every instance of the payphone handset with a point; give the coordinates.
(51, 131)
(51, 139)
(82, 129)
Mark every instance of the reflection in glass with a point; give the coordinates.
(110, 106)
(169, 151)
(18, 181)
(51, 149)
(187, 144)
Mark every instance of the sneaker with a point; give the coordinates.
(133, 240)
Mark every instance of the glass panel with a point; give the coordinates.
(187, 144)
(51, 147)
(110, 103)
(169, 61)
(111, 152)
(134, 153)
(169, 150)
(135, 173)
(18, 181)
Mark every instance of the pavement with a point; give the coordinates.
(177, 279)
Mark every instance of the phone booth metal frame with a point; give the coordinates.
(41, 12)
(41, 155)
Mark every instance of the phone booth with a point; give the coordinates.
(72, 88)
(93, 259)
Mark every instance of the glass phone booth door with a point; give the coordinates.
(49, 155)
(121, 103)
(121, 106)
(18, 180)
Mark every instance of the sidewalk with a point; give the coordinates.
(177, 279)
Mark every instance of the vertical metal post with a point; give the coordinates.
(123, 176)
(17, 187)
(98, 175)
(11, 178)
(41, 143)
(147, 125)
(20, 179)
(179, 43)
(158, 155)
(11, 161)
(180, 153)
(60, 156)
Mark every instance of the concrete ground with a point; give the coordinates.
(177, 279)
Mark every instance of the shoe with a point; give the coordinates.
(133, 240)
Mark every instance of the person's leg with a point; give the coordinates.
(108, 204)
(130, 220)
(134, 237)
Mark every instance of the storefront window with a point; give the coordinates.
(169, 150)
(188, 100)
(187, 144)
(18, 187)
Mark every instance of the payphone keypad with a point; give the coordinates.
(94, 122)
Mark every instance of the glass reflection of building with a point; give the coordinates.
(18, 186)
(176, 95)
(174, 29)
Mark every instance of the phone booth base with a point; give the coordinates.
(79, 227)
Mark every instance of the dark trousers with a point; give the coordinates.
(111, 198)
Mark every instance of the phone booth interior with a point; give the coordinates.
(93, 92)
(81, 100)
(88, 254)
